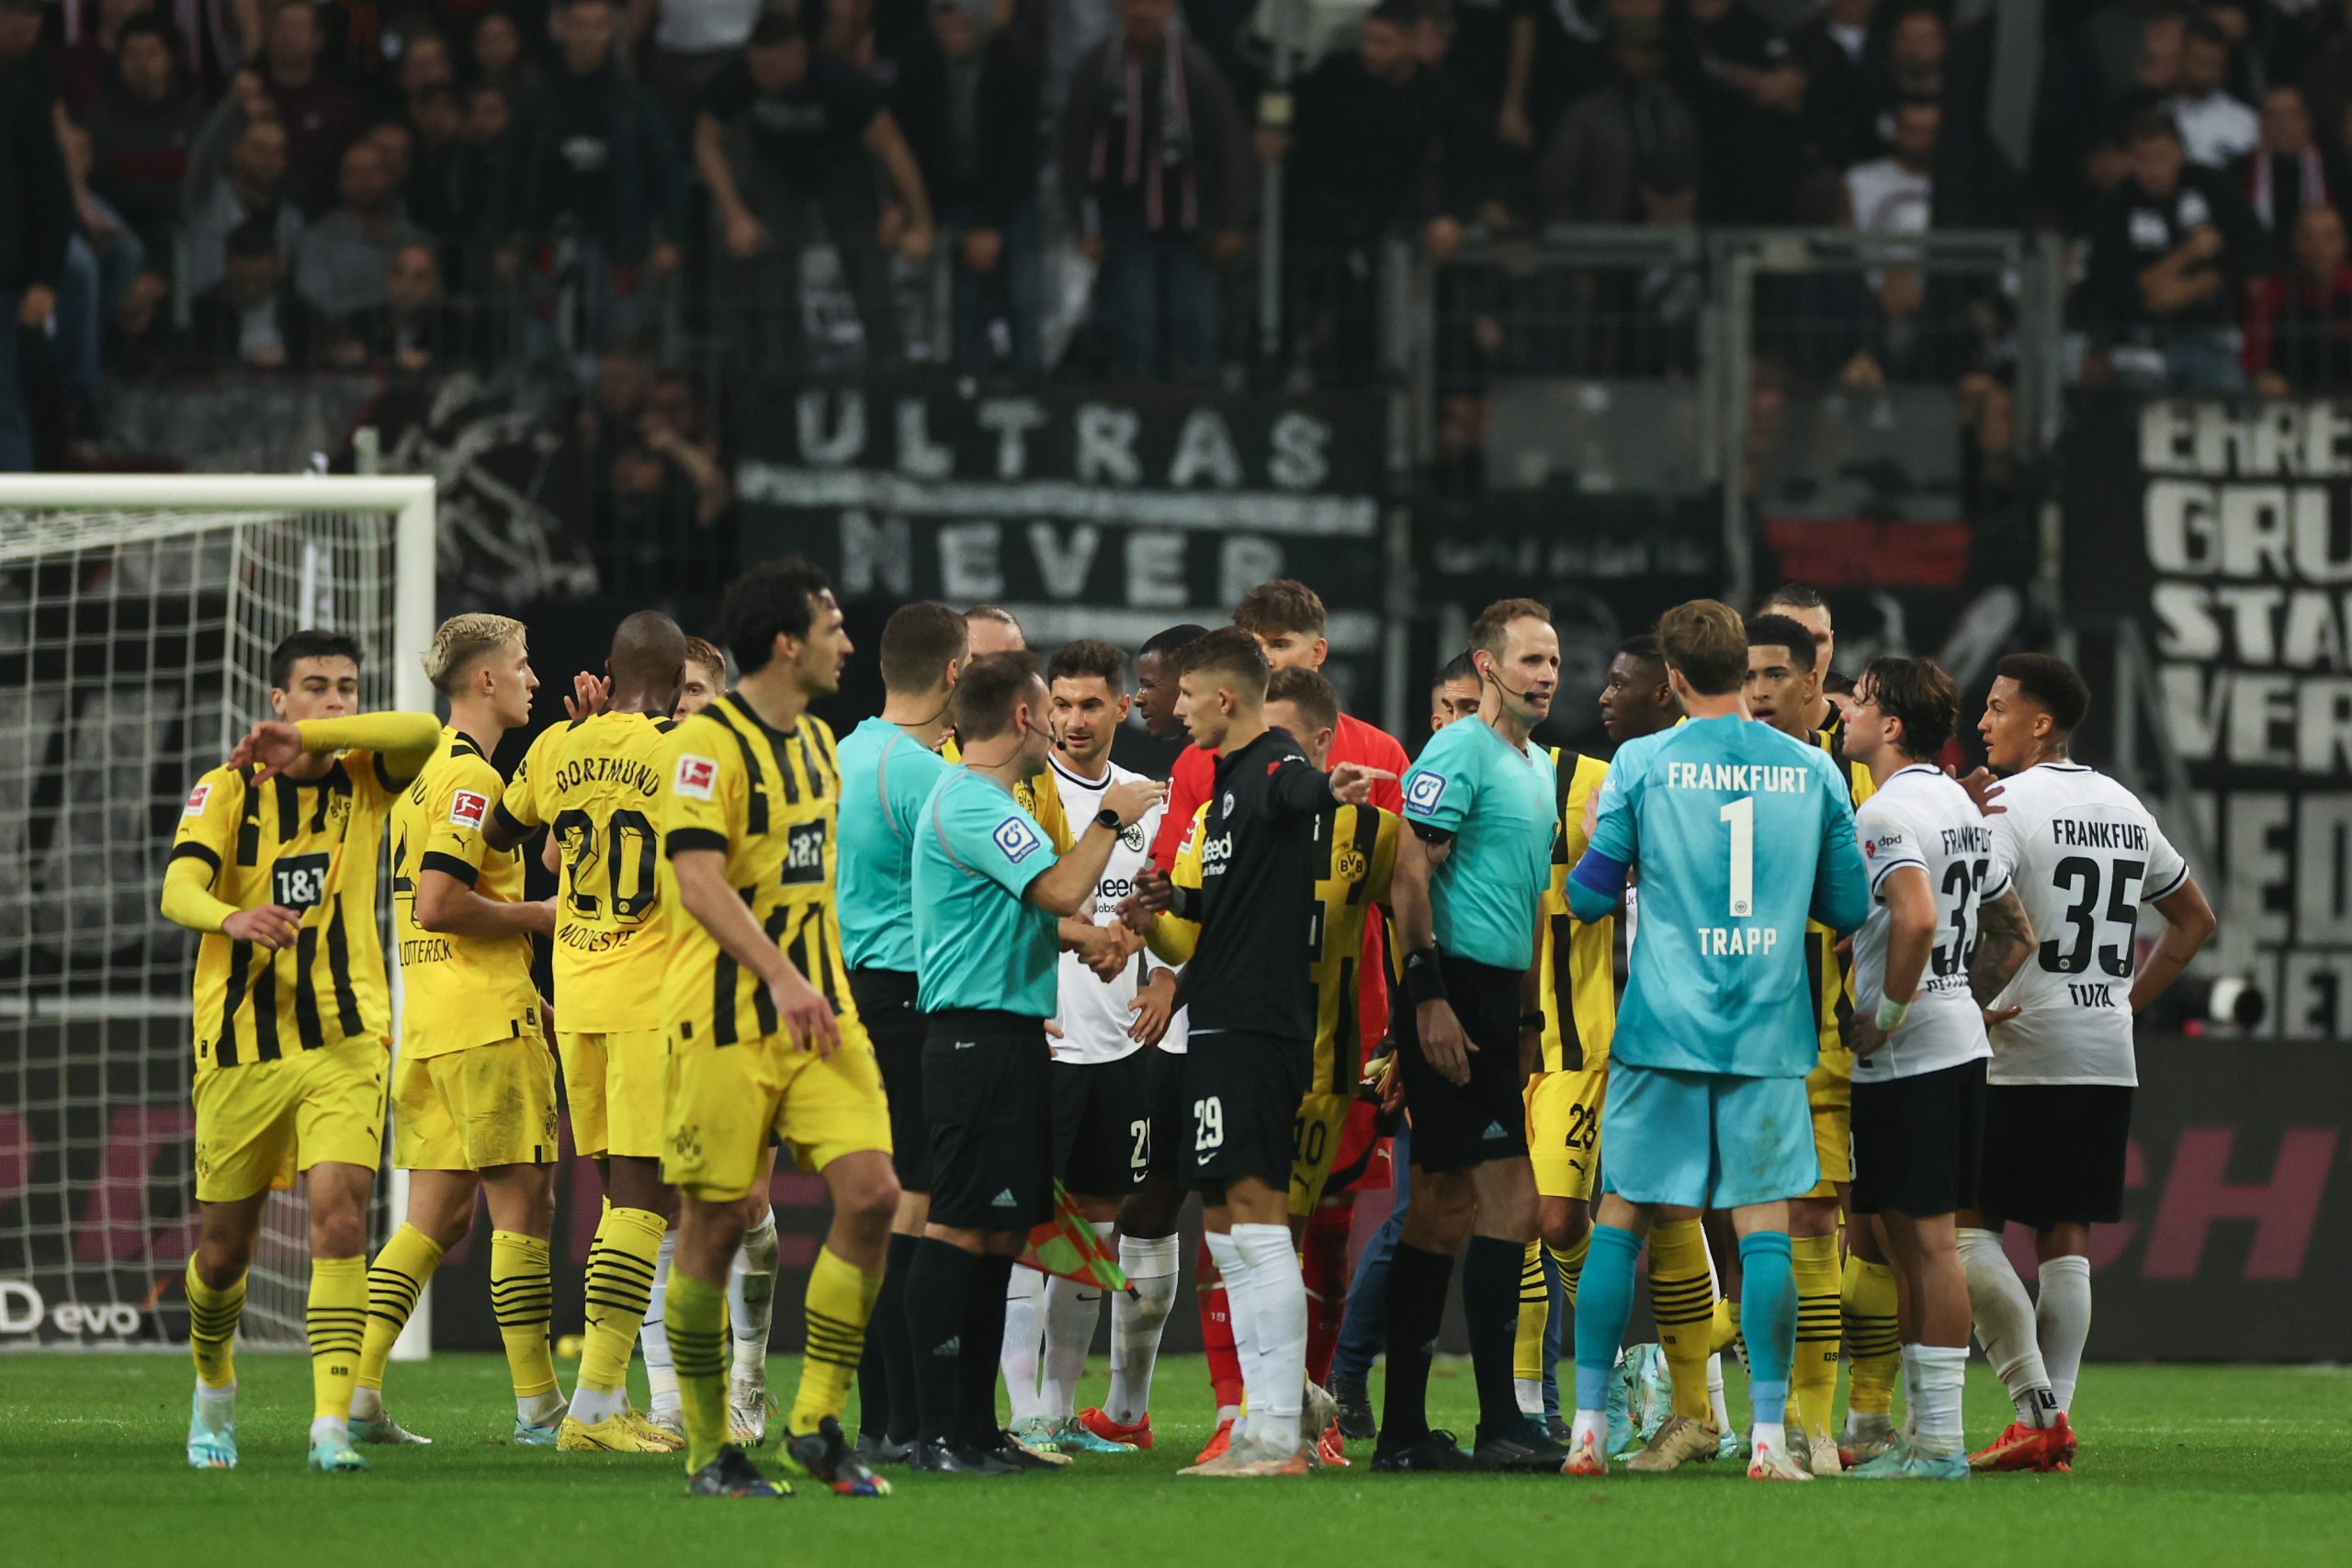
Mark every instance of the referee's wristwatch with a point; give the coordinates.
(1107, 817)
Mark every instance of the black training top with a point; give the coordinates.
(1253, 967)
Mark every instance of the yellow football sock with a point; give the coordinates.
(1534, 1307)
(1570, 1263)
(1873, 1338)
(620, 1288)
(394, 1281)
(695, 1314)
(840, 1301)
(1682, 1298)
(1812, 1377)
(212, 1329)
(336, 1321)
(522, 1298)
(1724, 1332)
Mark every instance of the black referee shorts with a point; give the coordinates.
(1102, 1124)
(2054, 1153)
(1917, 1140)
(1456, 1126)
(886, 1002)
(987, 1096)
(1242, 1090)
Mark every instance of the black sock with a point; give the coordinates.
(1417, 1286)
(1490, 1271)
(873, 1366)
(903, 1420)
(939, 1286)
(983, 1351)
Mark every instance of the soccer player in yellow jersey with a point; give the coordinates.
(765, 1038)
(473, 1095)
(1784, 690)
(274, 861)
(593, 783)
(704, 679)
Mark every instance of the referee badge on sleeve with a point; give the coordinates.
(696, 778)
(1424, 792)
(1015, 839)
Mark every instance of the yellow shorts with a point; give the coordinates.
(1831, 1096)
(1315, 1149)
(470, 1109)
(1563, 1131)
(259, 1124)
(613, 1084)
(723, 1102)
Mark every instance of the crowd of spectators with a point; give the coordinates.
(407, 185)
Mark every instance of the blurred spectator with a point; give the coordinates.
(339, 262)
(425, 64)
(436, 192)
(1835, 47)
(2299, 321)
(816, 129)
(694, 42)
(103, 260)
(320, 113)
(236, 172)
(251, 317)
(1624, 140)
(499, 59)
(1492, 62)
(1746, 90)
(2288, 172)
(87, 65)
(24, 65)
(2170, 250)
(1152, 174)
(596, 183)
(1895, 194)
(140, 129)
(415, 329)
(973, 117)
(2216, 129)
(36, 217)
(1918, 44)
(394, 141)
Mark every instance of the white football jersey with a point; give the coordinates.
(2083, 854)
(1094, 1015)
(1922, 819)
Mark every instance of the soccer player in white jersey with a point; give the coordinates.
(1101, 1075)
(2083, 855)
(1918, 1039)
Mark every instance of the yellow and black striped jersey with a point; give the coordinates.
(1579, 1004)
(596, 784)
(1037, 794)
(458, 991)
(1356, 859)
(311, 846)
(1830, 976)
(766, 799)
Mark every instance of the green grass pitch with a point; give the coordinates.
(2179, 1464)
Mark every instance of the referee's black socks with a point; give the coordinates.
(983, 1351)
(940, 1281)
(886, 1394)
(1490, 1270)
(1417, 1286)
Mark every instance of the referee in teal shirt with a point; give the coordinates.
(988, 893)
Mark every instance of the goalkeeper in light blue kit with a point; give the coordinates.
(1733, 835)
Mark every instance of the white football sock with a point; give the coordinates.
(1277, 1291)
(1226, 1254)
(1718, 1407)
(590, 1406)
(1769, 1435)
(1024, 1340)
(1072, 1310)
(1592, 1423)
(2062, 1323)
(1529, 1395)
(1136, 1322)
(1936, 1374)
(540, 1409)
(367, 1404)
(328, 1427)
(750, 1299)
(2005, 1325)
(653, 1339)
(218, 1405)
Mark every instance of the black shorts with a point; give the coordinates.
(1102, 1124)
(987, 1096)
(2054, 1153)
(1917, 1140)
(1456, 1126)
(1241, 1092)
(886, 1002)
(1171, 1141)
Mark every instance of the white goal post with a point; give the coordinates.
(137, 616)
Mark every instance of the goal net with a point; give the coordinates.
(137, 616)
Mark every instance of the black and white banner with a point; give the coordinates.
(2225, 530)
(1086, 513)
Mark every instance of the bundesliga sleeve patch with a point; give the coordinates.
(1016, 839)
(196, 799)
(1423, 794)
(468, 807)
(696, 778)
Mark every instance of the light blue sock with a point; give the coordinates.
(1768, 1319)
(1605, 1304)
